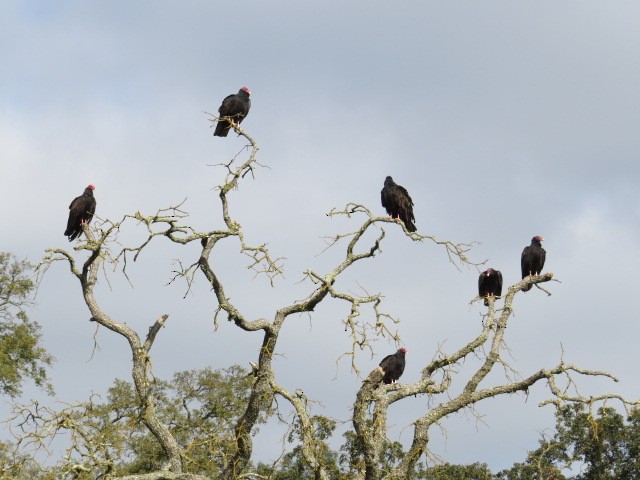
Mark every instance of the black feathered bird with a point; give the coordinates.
(532, 259)
(81, 211)
(398, 203)
(235, 106)
(393, 366)
(490, 283)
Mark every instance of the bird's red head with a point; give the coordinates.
(489, 271)
(538, 238)
(91, 187)
(403, 350)
(246, 90)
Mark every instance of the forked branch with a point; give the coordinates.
(439, 377)
(457, 252)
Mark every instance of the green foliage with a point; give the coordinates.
(348, 464)
(15, 466)
(292, 465)
(539, 465)
(352, 455)
(199, 406)
(202, 412)
(446, 471)
(345, 464)
(608, 447)
(106, 438)
(21, 355)
(601, 447)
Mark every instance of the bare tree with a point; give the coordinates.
(373, 398)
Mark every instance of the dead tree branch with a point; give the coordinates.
(141, 360)
(308, 434)
(373, 399)
(372, 427)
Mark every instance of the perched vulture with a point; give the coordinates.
(532, 259)
(393, 366)
(235, 106)
(398, 203)
(81, 211)
(490, 283)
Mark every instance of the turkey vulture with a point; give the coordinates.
(235, 106)
(81, 211)
(532, 259)
(398, 203)
(490, 283)
(393, 366)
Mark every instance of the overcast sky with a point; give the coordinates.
(504, 120)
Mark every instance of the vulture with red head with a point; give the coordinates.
(81, 211)
(236, 106)
(393, 366)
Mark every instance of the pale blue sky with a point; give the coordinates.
(503, 120)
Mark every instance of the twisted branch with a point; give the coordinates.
(371, 428)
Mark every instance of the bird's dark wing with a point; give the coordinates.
(405, 207)
(543, 257)
(393, 367)
(397, 202)
(482, 289)
(387, 362)
(235, 107)
(388, 366)
(525, 261)
(90, 209)
(229, 106)
(527, 264)
(81, 210)
(499, 283)
(387, 200)
(243, 108)
(400, 364)
(405, 195)
(75, 216)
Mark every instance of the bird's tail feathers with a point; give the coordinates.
(222, 129)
